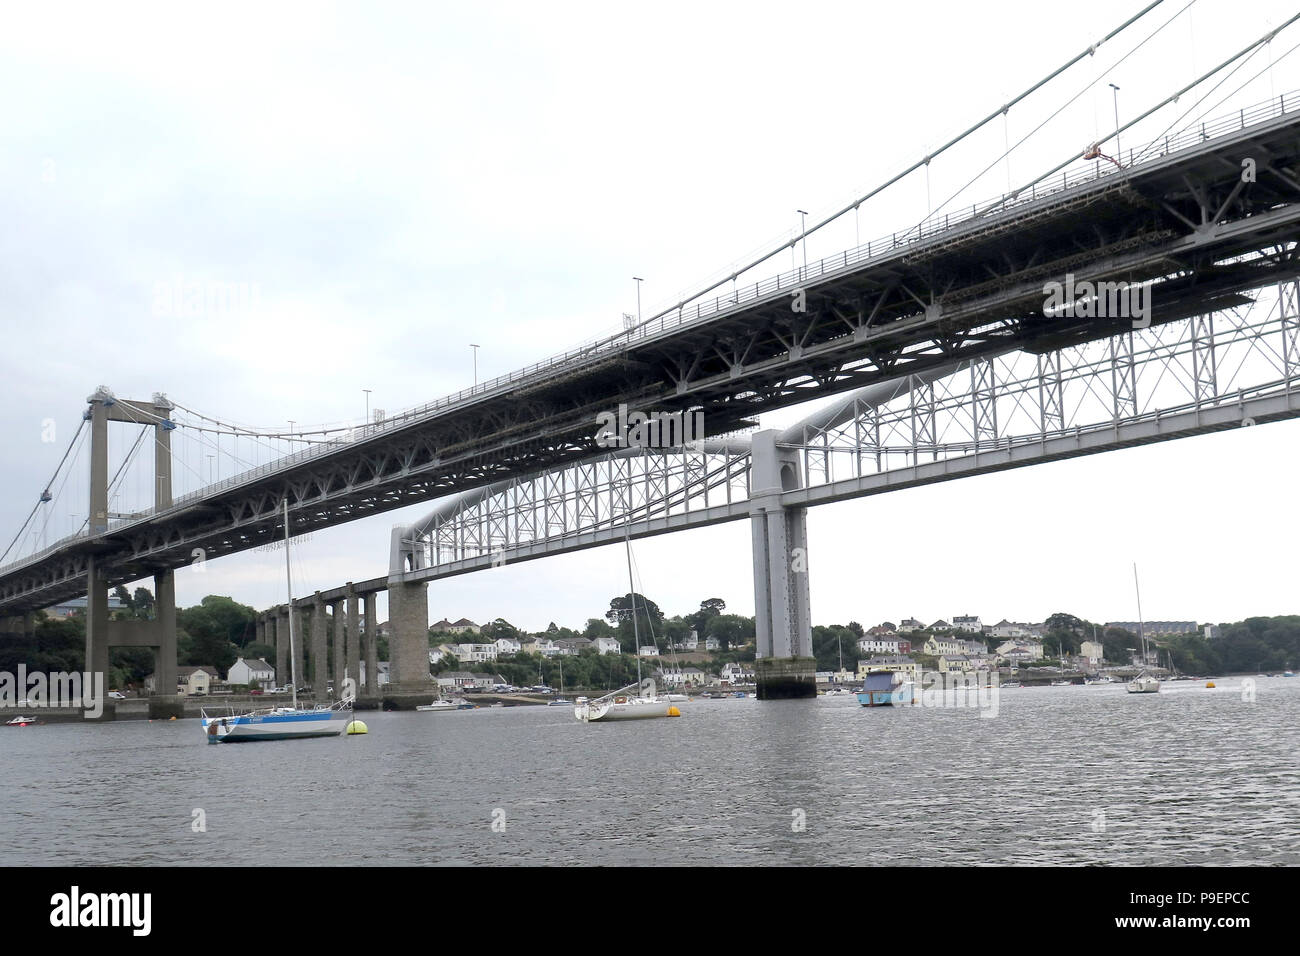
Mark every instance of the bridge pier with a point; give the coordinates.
(320, 674)
(299, 644)
(408, 643)
(97, 623)
(338, 648)
(784, 667)
(372, 646)
(352, 657)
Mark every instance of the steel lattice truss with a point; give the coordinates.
(1210, 372)
(1023, 399)
(596, 498)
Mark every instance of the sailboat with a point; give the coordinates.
(623, 704)
(560, 701)
(279, 723)
(1144, 683)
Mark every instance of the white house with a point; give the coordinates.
(688, 643)
(968, 623)
(466, 653)
(195, 680)
(1021, 650)
(246, 671)
(1005, 629)
(1092, 650)
(954, 663)
(508, 645)
(939, 646)
(736, 673)
(910, 624)
(572, 646)
(607, 645)
(712, 644)
(884, 645)
(649, 650)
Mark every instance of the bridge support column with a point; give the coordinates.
(97, 623)
(353, 660)
(299, 634)
(164, 662)
(372, 646)
(785, 666)
(29, 627)
(320, 672)
(279, 625)
(338, 649)
(408, 642)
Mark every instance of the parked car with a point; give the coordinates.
(116, 695)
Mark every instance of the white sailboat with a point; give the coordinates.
(1144, 683)
(280, 723)
(623, 704)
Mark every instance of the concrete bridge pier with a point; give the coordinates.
(352, 656)
(338, 645)
(372, 646)
(299, 634)
(408, 645)
(785, 666)
(320, 673)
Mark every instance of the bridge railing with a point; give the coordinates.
(978, 214)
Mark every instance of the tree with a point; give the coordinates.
(142, 602)
(620, 608)
(730, 629)
(216, 628)
(856, 628)
(123, 596)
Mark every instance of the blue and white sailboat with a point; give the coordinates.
(280, 723)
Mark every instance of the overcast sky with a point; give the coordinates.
(390, 183)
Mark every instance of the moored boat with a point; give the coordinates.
(279, 723)
(885, 689)
(622, 705)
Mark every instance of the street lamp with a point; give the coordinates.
(638, 280)
(803, 228)
(475, 348)
(210, 457)
(366, 420)
(1119, 153)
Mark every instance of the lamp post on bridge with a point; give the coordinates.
(475, 348)
(366, 420)
(1119, 153)
(803, 230)
(638, 280)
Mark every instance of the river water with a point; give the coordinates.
(1061, 775)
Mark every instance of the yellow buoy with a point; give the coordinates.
(356, 727)
(1210, 685)
(674, 712)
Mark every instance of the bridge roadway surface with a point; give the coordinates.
(954, 288)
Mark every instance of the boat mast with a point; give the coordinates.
(1141, 630)
(636, 633)
(293, 654)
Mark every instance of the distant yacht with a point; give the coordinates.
(1144, 683)
(279, 723)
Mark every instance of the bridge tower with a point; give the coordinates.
(101, 633)
(785, 666)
